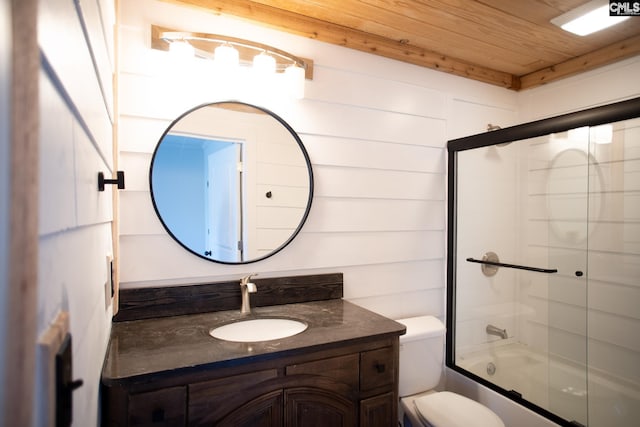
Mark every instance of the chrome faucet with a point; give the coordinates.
(494, 330)
(246, 288)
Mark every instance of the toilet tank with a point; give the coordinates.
(421, 354)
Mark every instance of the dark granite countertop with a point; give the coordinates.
(142, 348)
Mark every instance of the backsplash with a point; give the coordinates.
(146, 303)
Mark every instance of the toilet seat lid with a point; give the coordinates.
(446, 409)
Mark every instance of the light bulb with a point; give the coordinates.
(181, 50)
(226, 57)
(295, 77)
(264, 64)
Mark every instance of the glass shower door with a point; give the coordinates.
(613, 316)
(543, 271)
(563, 237)
(519, 326)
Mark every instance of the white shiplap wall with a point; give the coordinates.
(76, 116)
(375, 131)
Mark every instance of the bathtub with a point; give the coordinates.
(596, 399)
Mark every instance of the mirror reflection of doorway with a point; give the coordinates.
(224, 196)
(197, 166)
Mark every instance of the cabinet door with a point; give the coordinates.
(378, 411)
(165, 407)
(314, 407)
(210, 402)
(263, 411)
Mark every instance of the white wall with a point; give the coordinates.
(605, 85)
(76, 116)
(375, 130)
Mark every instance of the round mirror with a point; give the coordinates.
(231, 182)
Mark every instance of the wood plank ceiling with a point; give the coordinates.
(509, 43)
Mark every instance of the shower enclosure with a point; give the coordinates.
(543, 271)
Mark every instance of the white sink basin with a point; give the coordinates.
(256, 330)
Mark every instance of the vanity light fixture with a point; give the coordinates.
(226, 57)
(228, 53)
(264, 64)
(295, 79)
(182, 49)
(588, 18)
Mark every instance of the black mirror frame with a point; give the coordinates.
(300, 145)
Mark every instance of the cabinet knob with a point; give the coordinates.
(579, 273)
(380, 367)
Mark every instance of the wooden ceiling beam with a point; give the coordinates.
(598, 58)
(354, 39)
(402, 50)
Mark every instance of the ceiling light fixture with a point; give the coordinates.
(228, 53)
(588, 18)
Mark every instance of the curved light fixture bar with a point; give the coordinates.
(204, 45)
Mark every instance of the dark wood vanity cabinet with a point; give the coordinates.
(348, 385)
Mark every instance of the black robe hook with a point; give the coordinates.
(119, 181)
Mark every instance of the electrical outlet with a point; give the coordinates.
(108, 284)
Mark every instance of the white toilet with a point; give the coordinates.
(421, 367)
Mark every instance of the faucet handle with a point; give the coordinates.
(245, 279)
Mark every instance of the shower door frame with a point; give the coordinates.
(609, 113)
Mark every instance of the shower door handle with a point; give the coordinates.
(519, 267)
